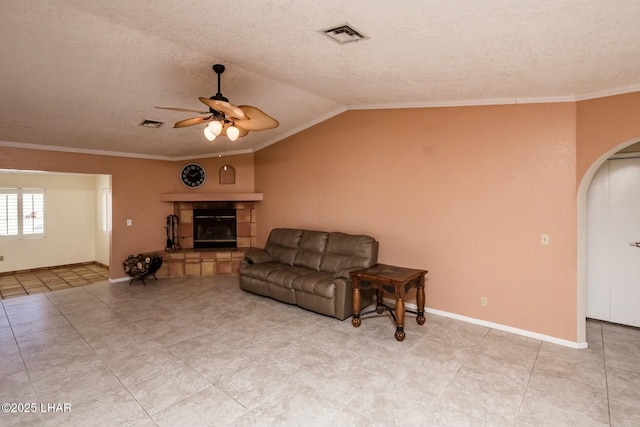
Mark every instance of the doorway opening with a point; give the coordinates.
(77, 211)
(630, 148)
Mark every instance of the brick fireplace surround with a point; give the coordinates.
(188, 261)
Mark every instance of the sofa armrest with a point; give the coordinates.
(344, 297)
(257, 256)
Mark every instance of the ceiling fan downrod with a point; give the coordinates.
(219, 69)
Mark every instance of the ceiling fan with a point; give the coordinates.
(224, 118)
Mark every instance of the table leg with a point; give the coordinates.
(400, 319)
(356, 302)
(380, 308)
(420, 296)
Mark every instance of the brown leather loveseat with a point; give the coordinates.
(309, 269)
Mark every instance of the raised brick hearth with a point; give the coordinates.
(200, 262)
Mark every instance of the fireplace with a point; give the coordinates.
(245, 227)
(214, 228)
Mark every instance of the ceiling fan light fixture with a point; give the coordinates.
(208, 134)
(233, 133)
(215, 127)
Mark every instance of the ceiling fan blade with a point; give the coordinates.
(186, 110)
(230, 110)
(243, 131)
(192, 121)
(257, 119)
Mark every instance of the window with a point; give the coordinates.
(8, 214)
(106, 211)
(22, 212)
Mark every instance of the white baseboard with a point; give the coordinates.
(498, 326)
(121, 279)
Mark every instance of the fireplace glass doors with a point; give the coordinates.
(214, 228)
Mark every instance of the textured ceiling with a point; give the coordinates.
(82, 74)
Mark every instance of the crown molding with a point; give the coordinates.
(80, 150)
(300, 128)
(609, 92)
(116, 153)
(501, 101)
(463, 103)
(430, 104)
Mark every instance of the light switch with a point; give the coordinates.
(129, 223)
(544, 239)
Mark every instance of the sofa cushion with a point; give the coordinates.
(319, 283)
(347, 250)
(260, 271)
(284, 277)
(312, 246)
(282, 245)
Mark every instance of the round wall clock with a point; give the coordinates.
(193, 175)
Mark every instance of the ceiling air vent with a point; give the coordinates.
(344, 34)
(150, 124)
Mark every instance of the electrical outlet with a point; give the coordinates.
(483, 301)
(544, 239)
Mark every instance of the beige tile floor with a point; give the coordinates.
(198, 351)
(29, 282)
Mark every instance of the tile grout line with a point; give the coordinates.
(606, 377)
(24, 364)
(528, 382)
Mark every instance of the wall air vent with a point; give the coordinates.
(344, 34)
(150, 124)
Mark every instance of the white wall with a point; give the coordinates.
(71, 221)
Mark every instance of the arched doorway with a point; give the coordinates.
(582, 233)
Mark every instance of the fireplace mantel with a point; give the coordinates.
(211, 197)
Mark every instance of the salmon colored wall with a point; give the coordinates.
(243, 164)
(136, 185)
(463, 192)
(604, 124)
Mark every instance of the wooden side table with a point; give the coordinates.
(391, 279)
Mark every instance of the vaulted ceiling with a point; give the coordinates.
(82, 74)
